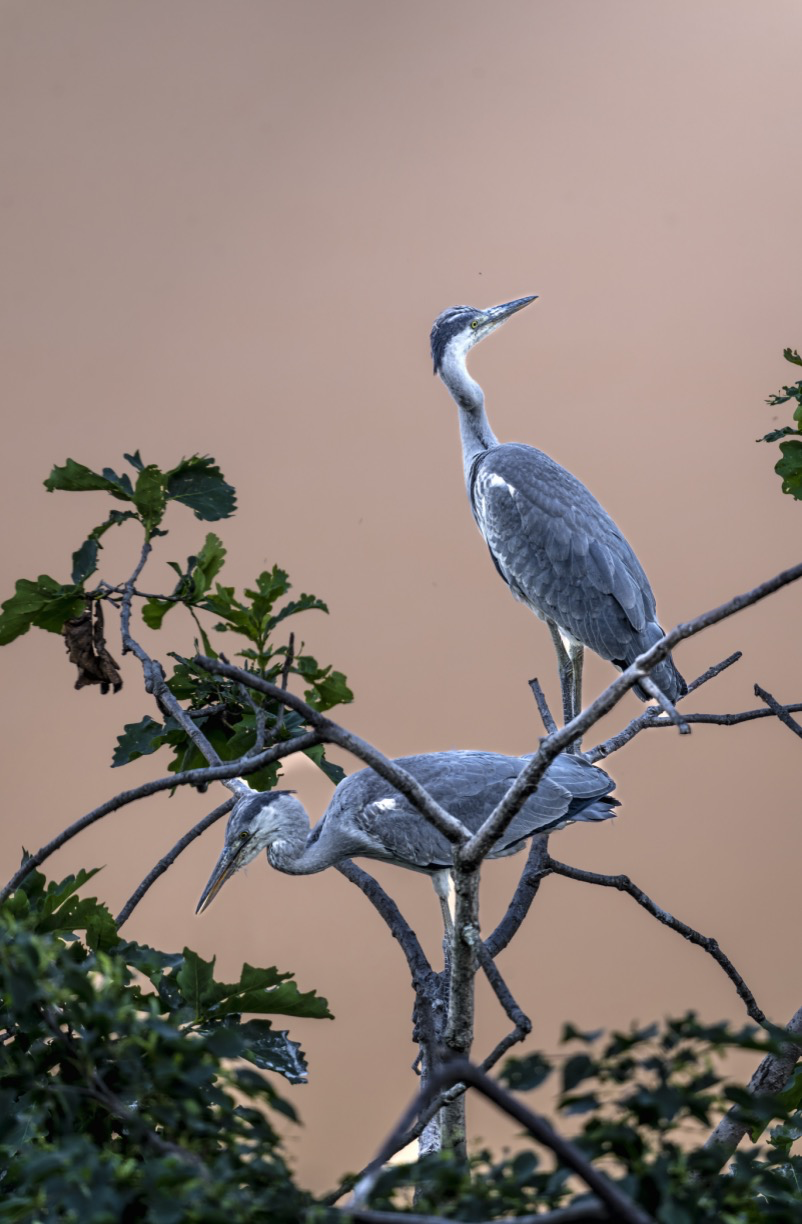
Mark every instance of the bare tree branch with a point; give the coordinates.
(525, 893)
(471, 852)
(669, 709)
(713, 671)
(156, 682)
(523, 1025)
(190, 777)
(620, 1207)
(170, 857)
(718, 720)
(710, 945)
(525, 784)
(285, 678)
(543, 706)
(781, 711)
(651, 717)
(772, 1075)
(331, 733)
(419, 966)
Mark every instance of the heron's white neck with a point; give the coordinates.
(474, 426)
(288, 850)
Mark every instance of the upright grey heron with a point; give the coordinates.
(558, 551)
(369, 818)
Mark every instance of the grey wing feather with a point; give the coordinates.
(468, 785)
(561, 554)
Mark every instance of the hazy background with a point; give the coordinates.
(226, 229)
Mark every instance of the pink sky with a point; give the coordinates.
(227, 229)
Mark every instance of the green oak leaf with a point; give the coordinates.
(47, 604)
(208, 563)
(576, 1069)
(197, 482)
(84, 559)
(149, 496)
(265, 991)
(76, 478)
(776, 434)
(789, 468)
(155, 610)
(318, 754)
(525, 1074)
(258, 1042)
(137, 740)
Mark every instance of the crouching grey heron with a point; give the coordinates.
(369, 818)
(558, 551)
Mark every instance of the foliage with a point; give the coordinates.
(128, 1089)
(789, 465)
(647, 1099)
(233, 721)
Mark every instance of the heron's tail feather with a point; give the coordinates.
(664, 674)
(600, 809)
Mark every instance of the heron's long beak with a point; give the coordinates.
(497, 314)
(224, 868)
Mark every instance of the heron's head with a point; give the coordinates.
(254, 824)
(457, 329)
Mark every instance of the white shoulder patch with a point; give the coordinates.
(385, 805)
(494, 481)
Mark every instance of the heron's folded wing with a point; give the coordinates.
(559, 551)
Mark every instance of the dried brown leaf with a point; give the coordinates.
(86, 647)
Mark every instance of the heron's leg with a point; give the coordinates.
(577, 655)
(566, 670)
(444, 887)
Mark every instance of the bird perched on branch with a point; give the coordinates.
(558, 551)
(369, 818)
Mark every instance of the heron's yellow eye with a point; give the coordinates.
(243, 836)
(474, 324)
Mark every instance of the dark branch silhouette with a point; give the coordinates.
(710, 945)
(170, 857)
(461, 1071)
(782, 712)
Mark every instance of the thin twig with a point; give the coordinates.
(668, 708)
(771, 1076)
(153, 672)
(191, 777)
(332, 733)
(713, 671)
(525, 893)
(476, 848)
(399, 928)
(543, 706)
(170, 857)
(523, 1025)
(128, 591)
(710, 945)
(779, 710)
(285, 678)
(644, 721)
(650, 718)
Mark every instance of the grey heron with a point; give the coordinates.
(369, 818)
(558, 551)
